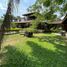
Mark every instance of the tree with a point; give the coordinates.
(49, 8)
(7, 19)
(39, 19)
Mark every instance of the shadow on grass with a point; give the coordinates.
(40, 57)
(48, 58)
(58, 41)
(15, 58)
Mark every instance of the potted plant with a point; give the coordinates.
(28, 32)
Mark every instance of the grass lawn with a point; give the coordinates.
(42, 50)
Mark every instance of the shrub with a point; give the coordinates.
(30, 30)
(13, 25)
(13, 29)
(57, 29)
(28, 34)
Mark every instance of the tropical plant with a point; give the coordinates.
(7, 18)
(39, 18)
(49, 8)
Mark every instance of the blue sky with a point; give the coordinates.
(24, 4)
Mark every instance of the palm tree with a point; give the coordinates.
(8, 18)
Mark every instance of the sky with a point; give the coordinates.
(22, 9)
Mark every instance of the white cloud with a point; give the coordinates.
(2, 7)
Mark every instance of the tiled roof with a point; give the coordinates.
(56, 22)
(24, 21)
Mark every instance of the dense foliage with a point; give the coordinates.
(49, 8)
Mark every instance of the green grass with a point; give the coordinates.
(42, 50)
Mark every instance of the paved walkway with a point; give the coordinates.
(59, 34)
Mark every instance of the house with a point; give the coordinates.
(49, 24)
(26, 20)
(60, 23)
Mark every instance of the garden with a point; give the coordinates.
(41, 50)
(35, 39)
